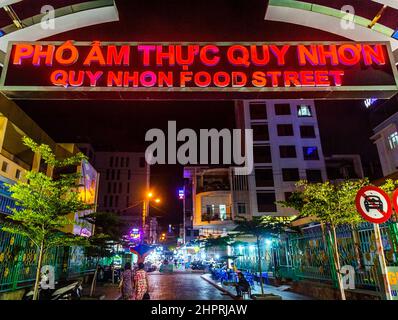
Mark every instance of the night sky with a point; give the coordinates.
(121, 125)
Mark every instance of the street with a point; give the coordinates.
(182, 286)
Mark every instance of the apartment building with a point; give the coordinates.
(286, 148)
(124, 182)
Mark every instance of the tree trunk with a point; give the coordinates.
(337, 264)
(259, 266)
(38, 272)
(93, 283)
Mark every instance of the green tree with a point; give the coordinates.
(108, 234)
(261, 227)
(332, 204)
(43, 204)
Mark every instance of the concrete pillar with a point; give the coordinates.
(36, 162)
(3, 128)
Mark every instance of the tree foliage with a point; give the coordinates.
(330, 203)
(108, 233)
(262, 226)
(43, 203)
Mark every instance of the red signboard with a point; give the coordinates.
(198, 70)
(373, 204)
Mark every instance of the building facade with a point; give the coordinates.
(213, 199)
(386, 140)
(124, 181)
(286, 148)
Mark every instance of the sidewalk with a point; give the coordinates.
(106, 291)
(280, 291)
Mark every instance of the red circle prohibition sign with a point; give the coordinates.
(370, 198)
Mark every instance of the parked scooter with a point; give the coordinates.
(72, 291)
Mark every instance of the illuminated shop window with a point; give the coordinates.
(393, 140)
(223, 212)
(304, 111)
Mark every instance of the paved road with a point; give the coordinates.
(183, 286)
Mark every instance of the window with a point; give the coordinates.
(262, 154)
(127, 161)
(111, 162)
(116, 161)
(393, 140)
(290, 174)
(111, 201)
(109, 187)
(4, 166)
(287, 151)
(264, 177)
(241, 208)
(285, 130)
(142, 162)
(307, 132)
(127, 201)
(120, 187)
(107, 174)
(105, 201)
(260, 132)
(258, 111)
(282, 109)
(122, 161)
(266, 202)
(128, 187)
(304, 111)
(114, 187)
(17, 174)
(113, 174)
(118, 174)
(116, 201)
(310, 153)
(314, 175)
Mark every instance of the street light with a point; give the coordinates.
(145, 207)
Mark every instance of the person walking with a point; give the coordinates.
(126, 283)
(141, 284)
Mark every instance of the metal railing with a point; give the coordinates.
(310, 256)
(18, 259)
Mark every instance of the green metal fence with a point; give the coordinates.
(18, 258)
(309, 255)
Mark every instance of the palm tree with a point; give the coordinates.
(260, 227)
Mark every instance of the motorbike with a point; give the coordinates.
(72, 291)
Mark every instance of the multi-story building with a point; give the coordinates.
(124, 182)
(16, 159)
(286, 148)
(214, 197)
(386, 140)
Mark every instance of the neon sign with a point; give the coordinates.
(369, 102)
(181, 194)
(217, 70)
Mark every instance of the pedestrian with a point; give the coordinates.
(141, 284)
(242, 285)
(126, 282)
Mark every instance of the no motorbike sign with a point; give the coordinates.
(373, 204)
